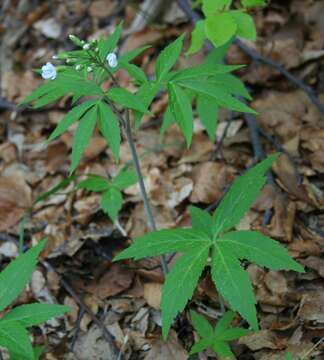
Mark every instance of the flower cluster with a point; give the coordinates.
(88, 61)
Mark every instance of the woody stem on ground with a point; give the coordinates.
(147, 205)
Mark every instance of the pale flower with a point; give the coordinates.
(112, 60)
(48, 71)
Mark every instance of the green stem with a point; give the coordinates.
(147, 205)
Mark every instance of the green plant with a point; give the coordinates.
(111, 196)
(14, 323)
(209, 86)
(216, 338)
(221, 23)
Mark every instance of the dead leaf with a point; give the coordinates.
(166, 350)
(114, 281)
(152, 294)
(15, 199)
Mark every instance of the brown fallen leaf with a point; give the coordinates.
(114, 281)
(152, 294)
(15, 199)
(210, 180)
(167, 350)
(262, 339)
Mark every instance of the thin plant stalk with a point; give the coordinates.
(147, 205)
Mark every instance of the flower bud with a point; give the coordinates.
(89, 69)
(78, 67)
(75, 40)
(86, 47)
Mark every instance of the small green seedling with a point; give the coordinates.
(217, 338)
(221, 23)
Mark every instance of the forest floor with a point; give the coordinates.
(123, 299)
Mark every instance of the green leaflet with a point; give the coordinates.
(241, 196)
(288, 356)
(203, 70)
(220, 28)
(201, 325)
(71, 117)
(109, 128)
(168, 57)
(163, 242)
(67, 82)
(232, 84)
(124, 179)
(201, 221)
(94, 183)
(136, 72)
(259, 249)
(245, 25)
(125, 98)
(253, 3)
(180, 106)
(216, 338)
(18, 272)
(33, 314)
(15, 338)
(111, 202)
(168, 120)
(217, 92)
(208, 114)
(233, 283)
(198, 37)
(210, 7)
(146, 94)
(82, 136)
(108, 45)
(180, 284)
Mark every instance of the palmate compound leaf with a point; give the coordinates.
(33, 314)
(230, 278)
(15, 338)
(241, 196)
(18, 272)
(216, 338)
